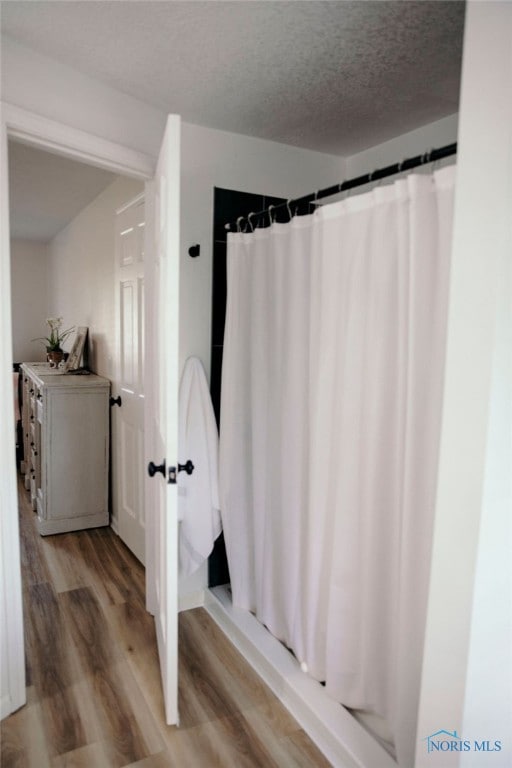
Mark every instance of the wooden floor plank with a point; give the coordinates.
(94, 690)
(161, 760)
(23, 742)
(303, 752)
(146, 722)
(91, 756)
(33, 561)
(247, 689)
(221, 743)
(132, 625)
(52, 671)
(99, 656)
(89, 629)
(61, 561)
(283, 737)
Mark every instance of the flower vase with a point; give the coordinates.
(54, 356)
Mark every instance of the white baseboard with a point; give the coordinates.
(8, 706)
(343, 741)
(5, 707)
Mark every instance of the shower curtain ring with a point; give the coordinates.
(238, 227)
(270, 214)
(290, 214)
(249, 220)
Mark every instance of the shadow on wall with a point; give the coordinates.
(95, 357)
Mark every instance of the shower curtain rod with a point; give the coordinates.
(359, 181)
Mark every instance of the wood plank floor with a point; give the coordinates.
(93, 686)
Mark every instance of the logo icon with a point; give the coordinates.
(440, 736)
(450, 741)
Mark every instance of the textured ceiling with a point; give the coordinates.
(335, 76)
(47, 191)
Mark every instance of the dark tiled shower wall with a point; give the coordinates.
(228, 206)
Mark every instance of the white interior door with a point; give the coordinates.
(128, 386)
(161, 403)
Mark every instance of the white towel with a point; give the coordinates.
(199, 492)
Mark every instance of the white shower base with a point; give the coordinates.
(338, 735)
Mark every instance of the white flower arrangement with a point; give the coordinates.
(57, 337)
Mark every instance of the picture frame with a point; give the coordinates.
(77, 350)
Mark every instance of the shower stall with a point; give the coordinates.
(330, 411)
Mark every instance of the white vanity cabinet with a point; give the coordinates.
(66, 447)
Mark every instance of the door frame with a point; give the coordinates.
(61, 139)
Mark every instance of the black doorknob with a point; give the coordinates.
(188, 467)
(154, 468)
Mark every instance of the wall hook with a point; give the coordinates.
(194, 251)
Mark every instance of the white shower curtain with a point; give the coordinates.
(330, 416)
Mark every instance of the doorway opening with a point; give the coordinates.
(25, 128)
(71, 249)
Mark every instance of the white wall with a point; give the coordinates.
(12, 665)
(29, 294)
(53, 90)
(467, 674)
(5, 704)
(488, 698)
(81, 264)
(212, 158)
(430, 136)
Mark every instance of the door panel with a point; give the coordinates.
(128, 420)
(161, 388)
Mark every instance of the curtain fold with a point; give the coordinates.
(330, 419)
